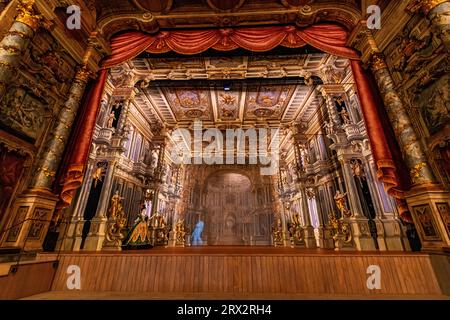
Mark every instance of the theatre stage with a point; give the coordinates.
(243, 273)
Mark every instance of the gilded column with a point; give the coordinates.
(427, 201)
(56, 142)
(409, 143)
(124, 113)
(16, 41)
(38, 202)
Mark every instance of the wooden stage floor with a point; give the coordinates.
(243, 272)
(237, 250)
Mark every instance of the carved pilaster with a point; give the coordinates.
(425, 197)
(362, 40)
(96, 236)
(310, 239)
(56, 142)
(39, 194)
(329, 92)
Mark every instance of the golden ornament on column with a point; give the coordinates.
(83, 74)
(428, 5)
(27, 14)
(378, 62)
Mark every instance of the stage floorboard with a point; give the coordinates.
(83, 295)
(237, 250)
(243, 272)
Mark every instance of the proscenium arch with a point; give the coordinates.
(227, 39)
(345, 15)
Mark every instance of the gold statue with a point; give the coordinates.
(111, 119)
(158, 229)
(295, 229)
(116, 225)
(157, 221)
(116, 206)
(345, 116)
(416, 171)
(97, 175)
(296, 219)
(339, 199)
(341, 231)
(358, 170)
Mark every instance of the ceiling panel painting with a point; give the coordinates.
(189, 104)
(267, 101)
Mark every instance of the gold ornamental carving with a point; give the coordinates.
(425, 5)
(180, 233)
(415, 172)
(27, 14)
(428, 5)
(340, 230)
(83, 74)
(115, 231)
(47, 172)
(158, 230)
(295, 230)
(277, 233)
(378, 62)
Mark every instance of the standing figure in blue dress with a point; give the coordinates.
(197, 233)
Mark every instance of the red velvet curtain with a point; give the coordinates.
(383, 144)
(329, 38)
(11, 167)
(127, 46)
(82, 140)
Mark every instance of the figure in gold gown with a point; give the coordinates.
(139, 237)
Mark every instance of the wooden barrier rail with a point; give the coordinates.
(27, 279)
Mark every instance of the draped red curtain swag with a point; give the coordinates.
(330, 38)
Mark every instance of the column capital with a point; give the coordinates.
(330, 90)
(425, 5)
(377, 62)
(361, 38)
(83, 74)
(28, 16)
(125, 94)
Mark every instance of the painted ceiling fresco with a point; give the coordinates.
(265, 89)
